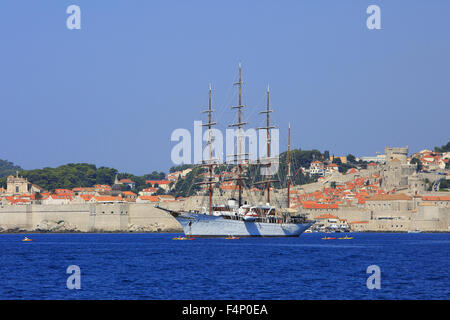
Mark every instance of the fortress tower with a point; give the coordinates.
(400, 154)
(397, 170)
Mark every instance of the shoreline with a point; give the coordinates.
(86, 232)
(178, 232)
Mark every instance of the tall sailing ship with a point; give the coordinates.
(236, 218)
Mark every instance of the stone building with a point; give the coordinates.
(20, 185)
(390, 202)
(128, 183)
(396, 172)
(416, 184)
(400, 154)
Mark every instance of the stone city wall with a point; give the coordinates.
(86, 218)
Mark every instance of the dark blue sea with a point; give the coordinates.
(153, 266)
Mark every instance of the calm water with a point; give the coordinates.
(153, 266)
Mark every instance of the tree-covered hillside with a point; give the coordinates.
(7, 168)
(70, 176)
(73, 175)
(444, 148)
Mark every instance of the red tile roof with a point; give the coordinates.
(86, 197)
(126, 181)
(150, 198)
(386, 197)
(436, 198)
(309, 205)
(326, 216)
(158, 182)
(107, 198)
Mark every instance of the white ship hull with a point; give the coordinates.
(201, 225)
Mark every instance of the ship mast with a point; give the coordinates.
(210, 181)
(289, 168)
(268, 143)
(210, 186)
(239, 125)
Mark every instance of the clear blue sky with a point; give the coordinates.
(112, 92)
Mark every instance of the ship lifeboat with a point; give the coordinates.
(250, 216)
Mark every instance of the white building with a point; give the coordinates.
(316, 168)
(331, 168)
(379, 158)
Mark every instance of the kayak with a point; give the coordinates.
(346, 238)
(183, 238)
(27, 239)
(328, 238)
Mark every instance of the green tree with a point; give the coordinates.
(418, 163)
(444, 185)
(125, 187)
(180, 167)
(160, 191)
(187, 186)
(155, 176)
(351, 159)
(3, 182)
(444, 148)
(8, 168)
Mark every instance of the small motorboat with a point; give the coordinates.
(415, 231)
(183, 238)
(27, 239)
